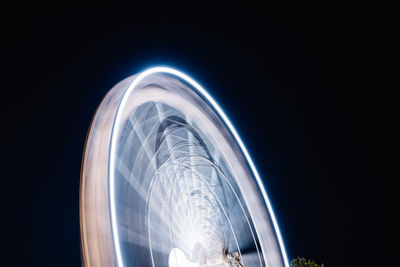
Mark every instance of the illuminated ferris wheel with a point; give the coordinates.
(166, 181)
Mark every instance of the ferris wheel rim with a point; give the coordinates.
(219, 111)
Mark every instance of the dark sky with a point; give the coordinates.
(305, 84)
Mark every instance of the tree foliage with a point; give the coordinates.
(302, 262)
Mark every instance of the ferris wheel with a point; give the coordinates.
(166, 181)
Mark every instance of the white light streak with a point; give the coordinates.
(116, 133)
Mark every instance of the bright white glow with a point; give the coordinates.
(178, 259)
(220, 112)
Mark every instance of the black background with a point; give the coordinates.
(306, 85)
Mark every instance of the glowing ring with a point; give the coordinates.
(96, 231)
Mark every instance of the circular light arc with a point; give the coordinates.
(202, 92)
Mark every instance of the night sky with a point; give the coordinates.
(305, 84)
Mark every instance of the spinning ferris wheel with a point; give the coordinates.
(166, 181)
